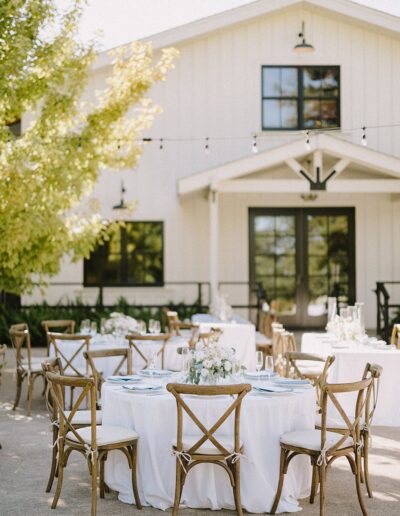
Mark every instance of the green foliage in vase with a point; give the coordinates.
(48, 171)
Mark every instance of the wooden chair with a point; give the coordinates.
(94, 442)
(395, 337)
(206, 447)
(374, 372)
(60, 326)
(323, 447)
(81, 418)
(69, 349)
(174, 324)
(208, 337)
(28, 367)
(135, 338)
(282, 342)
(92, 356)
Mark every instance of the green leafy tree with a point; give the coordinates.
(47, 171)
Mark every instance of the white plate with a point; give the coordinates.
(142, 387)
(292, 383)
(259, 374)
(155, 373)
(271, 388)
(124, 379)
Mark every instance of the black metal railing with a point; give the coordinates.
(384, 308)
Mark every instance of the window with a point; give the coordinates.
(295, 97)
(133, 256)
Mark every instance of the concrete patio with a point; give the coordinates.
(25, 461)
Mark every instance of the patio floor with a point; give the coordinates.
(25, 461)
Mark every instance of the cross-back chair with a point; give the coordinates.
(93, 441)
(317, 376)
(323, 446)
(395, 337)
(57, 326)
(125, 355)
(207, 447)
(135, 339)
(81, 418)
(282, 342)
(374, 372)
(174, 324)
(29, 367)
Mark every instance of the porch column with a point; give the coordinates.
(213, 243)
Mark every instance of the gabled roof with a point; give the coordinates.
(253, 10)
(345, 151)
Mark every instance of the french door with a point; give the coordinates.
(301, 256)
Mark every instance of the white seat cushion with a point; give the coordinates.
(262, 339)
(36, 366)
(311, 439)
(309, 367)
(105, 435)
(83, 417)
(208, 448)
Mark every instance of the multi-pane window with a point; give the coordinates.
(300, 97)
(133, 256)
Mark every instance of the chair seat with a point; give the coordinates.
(36, 366)
(105, 435)
(311, 439)
(83, 417)
(310, 368)
(262, 339)
(208, 448)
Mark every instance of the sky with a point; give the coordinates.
(115, 22)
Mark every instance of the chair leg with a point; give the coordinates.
(314, 483)
(94, 484)
(236, 488)
(280, 483)
(178, 488)
(322, 480)
(30, 394)
(101, 477)
(134, 477)
(18, 390)
(53, 461)
(366, 469)
(60, 470)
(358, 484)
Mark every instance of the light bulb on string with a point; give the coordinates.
(254, 147)
(364, 137)
(161, 144)
(308, 146)
(207, 146)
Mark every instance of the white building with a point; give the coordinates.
(304, 212)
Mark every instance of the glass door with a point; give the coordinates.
(302, 256)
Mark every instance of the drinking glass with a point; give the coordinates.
(269, 365)
(151, 325)
(259, 360)
(85, 327)
(93, 328)
(141, 326)
(156, 327)
(103, 325)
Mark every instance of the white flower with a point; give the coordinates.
(207, 364)
(227, 366)
(204, 373)
(200, 356)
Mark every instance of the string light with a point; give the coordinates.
(308, 146)
(364, 137)
(255, 148)
(161, 143)
(207, 146)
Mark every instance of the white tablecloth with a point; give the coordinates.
(349, 366)
(238, 335)
(263, 420)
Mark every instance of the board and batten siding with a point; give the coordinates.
(215, 91)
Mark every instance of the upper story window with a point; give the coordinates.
(300, 97)
(134, 256)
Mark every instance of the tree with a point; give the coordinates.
(47, 171)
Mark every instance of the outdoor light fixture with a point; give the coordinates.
(303, 47)
(121, 205)
(254, 146)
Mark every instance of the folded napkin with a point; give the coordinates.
(142, 387)
(271, 388)
(122, 379)
(155, 372)
(291, 381)
(259, 374)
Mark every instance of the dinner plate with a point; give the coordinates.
(271, 388)
(290, 382)
(143, 388)
(124, 379)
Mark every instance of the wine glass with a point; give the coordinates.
(259, 360)
(156, 327)
(103, 321)
(93, 328)
(269, 365)
(141, 326)
(151, 325)
(85, 327)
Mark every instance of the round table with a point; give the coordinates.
(264, 418)
(349, 366)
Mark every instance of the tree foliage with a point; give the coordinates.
(47, 171)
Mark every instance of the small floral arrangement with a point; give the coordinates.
(212, 362)
(120, 323)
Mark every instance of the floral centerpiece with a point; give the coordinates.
(120, 324)
(208, 364)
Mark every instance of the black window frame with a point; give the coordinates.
(300, 98)
(123, 264)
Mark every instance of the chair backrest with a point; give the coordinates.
(351, 428)
(208, 337)
(395, 337)
(208, 434)
(373, 371)
(135, 338)
(92, 356)
(51, 365)
(58, 326)
(265, 322)
(20, 338)
(69, 348)
(282, 342)
(292, 369)
(58, 383)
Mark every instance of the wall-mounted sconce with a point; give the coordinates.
(303, 46)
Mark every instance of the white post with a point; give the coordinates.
(213, 232)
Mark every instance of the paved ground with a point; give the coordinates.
(25, 460)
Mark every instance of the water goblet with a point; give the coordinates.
(156, 327)
(259, 360)
(151, 325)
(103, 322)
(141, 326)
(93, 328)
(269, 365)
